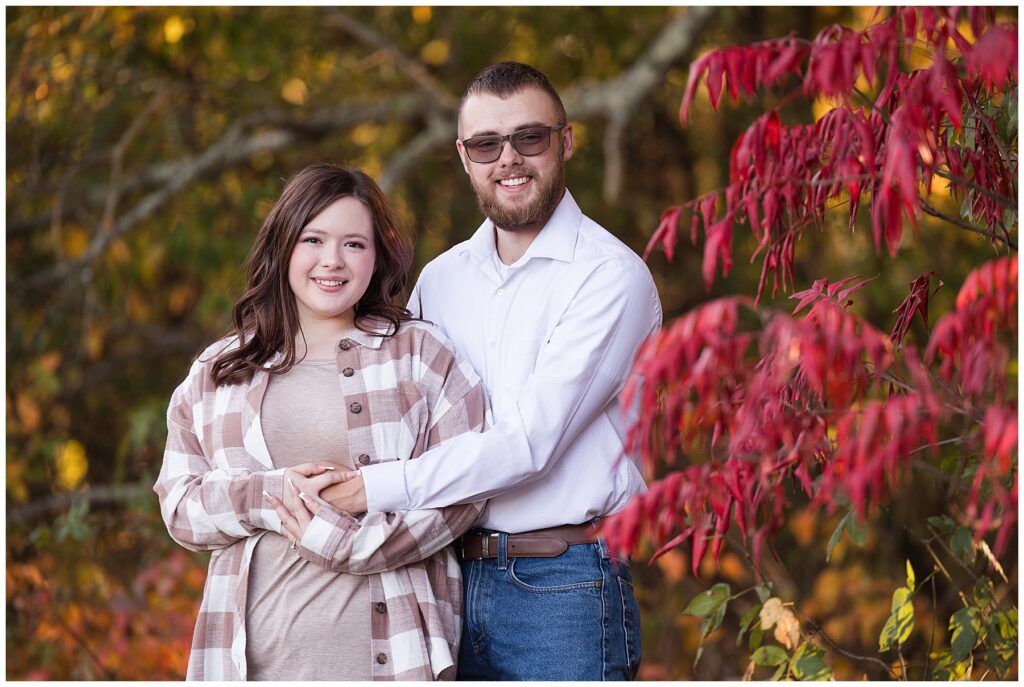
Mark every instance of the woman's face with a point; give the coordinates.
(332, 263)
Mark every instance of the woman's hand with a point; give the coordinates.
(296, 517)
(311, 478)
(300, 503)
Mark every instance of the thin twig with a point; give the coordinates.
(818, 629)
(988, 193)
(929, 210)
(931, 635)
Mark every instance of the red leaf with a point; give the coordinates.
(697, 68)
(665, 234)
(995, 276)
(717, 244)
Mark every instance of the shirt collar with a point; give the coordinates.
(358, 336)
(557, 240)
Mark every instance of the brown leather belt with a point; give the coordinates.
(546, 543)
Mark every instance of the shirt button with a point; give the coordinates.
(499, 292)
(344, 344)
(356, 408)
(382, 607)
(382, 658)
(363, 458)
(348, 372)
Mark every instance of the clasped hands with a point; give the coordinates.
(311, 486)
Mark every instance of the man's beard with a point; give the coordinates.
(520, 218)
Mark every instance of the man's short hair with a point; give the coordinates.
(505, 78)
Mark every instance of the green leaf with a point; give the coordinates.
(983, 592)
(910, 577)
(756, 635)
(713, 621)
(708, 602)
(764, 592)
(769, 656)
(836, 536)
(943, 523)
(809, 664)
(900, 623)
(858, 532)
(962, 544)
(964, 624)
(779, 673)
(745, 621)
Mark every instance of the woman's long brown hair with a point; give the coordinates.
(265, 319)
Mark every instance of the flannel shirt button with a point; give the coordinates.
(344, 344)
(363, 459)
(382, 607)
(356, 408)
(382, 658)
(348, 372)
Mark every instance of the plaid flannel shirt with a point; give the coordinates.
(403, 394)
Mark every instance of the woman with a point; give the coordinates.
(321, 365)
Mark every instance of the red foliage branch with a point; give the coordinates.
(783, 177)
(703, 380)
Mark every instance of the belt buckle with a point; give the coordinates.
(486, 544)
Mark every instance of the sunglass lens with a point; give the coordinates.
(484, 149)
(532, 141)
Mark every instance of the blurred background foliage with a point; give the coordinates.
(144, 147)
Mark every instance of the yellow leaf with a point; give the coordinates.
(174, 29)
(787, 627)
(435, 52)
(119, 252)
(673, 566)
(421, 15)
(179, 299)
(28, 412)
(75, 240)
(365, 134)
(72, 465)
(95, 337)
(15, 483)
(803, 525)
(295, 91)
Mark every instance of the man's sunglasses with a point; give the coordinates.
(531, 141)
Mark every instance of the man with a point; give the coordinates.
(550, 309)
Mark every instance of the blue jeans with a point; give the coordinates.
(572, 617)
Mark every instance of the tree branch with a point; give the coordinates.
(107, 493)
(929, 210)
(440, 131)
(1008, 203)
(615, 99)
(413, 68)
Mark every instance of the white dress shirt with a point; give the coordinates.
(553, 336)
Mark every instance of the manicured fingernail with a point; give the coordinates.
(303, 496)
(292, 484)
(267, 494)
(326, 467)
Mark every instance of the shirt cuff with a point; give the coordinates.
(261, 513)
(384, 484)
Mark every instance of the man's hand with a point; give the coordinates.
(310, 478)
(346, 493)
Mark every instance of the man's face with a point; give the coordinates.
(517, 192)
